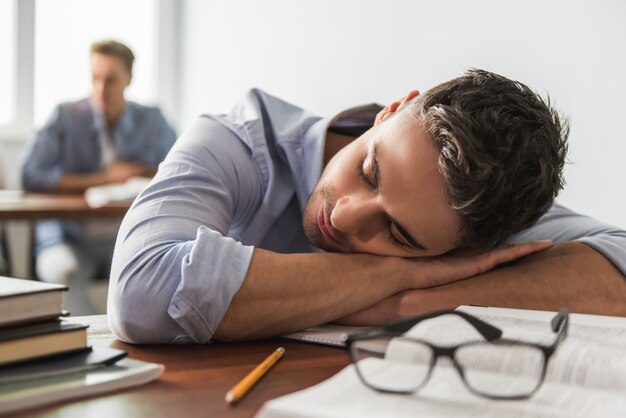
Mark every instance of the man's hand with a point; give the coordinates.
(117, 172)
(568, 274)
(120, 171)
(440, 270)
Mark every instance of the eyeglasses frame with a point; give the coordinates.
(559, 325)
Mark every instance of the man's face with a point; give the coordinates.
(383, 194)
(109, 78)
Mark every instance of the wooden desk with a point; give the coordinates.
(34, 206)
(22, 209)
(197, 377)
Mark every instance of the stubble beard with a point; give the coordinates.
(309, 220)
(310, 223)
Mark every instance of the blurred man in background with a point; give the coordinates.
(98, 140)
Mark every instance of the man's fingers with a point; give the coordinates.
(494, 258)
(513, 252)
(447, 269)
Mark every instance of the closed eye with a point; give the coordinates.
(395, 241)
(364, 179)
(373, 183)
(370, 185)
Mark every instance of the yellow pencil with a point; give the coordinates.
(244, 386)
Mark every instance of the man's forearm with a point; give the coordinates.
(569, 274)
(78, 183)
(117, 172)
(283, 293)
(287, 292)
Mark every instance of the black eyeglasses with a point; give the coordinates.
(387, 360)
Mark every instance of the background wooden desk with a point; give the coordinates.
(197, 377)
(34, 206)
(21, 210)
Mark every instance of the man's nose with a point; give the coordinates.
(354, 215)
(98, 88)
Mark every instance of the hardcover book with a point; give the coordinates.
(24, 301)
(40, 340)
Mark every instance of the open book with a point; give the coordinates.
(586, 377)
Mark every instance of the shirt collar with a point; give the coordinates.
(124, 126)
(98, 118)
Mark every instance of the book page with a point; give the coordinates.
(593, 353)
(345, 396)
(608, 329)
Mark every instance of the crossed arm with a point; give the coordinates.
(118, 172)
(568, 274)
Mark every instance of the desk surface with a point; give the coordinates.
(16, 205)
(197, 377)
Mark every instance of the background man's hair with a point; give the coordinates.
(114, 49)
(501, 151)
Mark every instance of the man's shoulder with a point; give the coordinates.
(259, 113)
(141, 115)
(255, 102)
(77, 107)
(74, 113)
(273, 104)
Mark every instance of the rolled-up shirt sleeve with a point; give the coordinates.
(174, 269)
(561, 224)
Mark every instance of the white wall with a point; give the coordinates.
(326, 55)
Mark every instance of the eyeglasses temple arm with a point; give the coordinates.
(560, 324)
(489, 332)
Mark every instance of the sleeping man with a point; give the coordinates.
(271, 219)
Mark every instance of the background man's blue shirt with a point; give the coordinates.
(234, 182)
(72, 142)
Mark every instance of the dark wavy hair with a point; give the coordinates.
(502, 149)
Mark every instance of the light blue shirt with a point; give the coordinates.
(72, 141)
(231, 183)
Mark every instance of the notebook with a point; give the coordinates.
(327, 334)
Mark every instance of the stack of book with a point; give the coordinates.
(30, 326)
(45, 358)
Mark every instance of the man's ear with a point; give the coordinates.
(393, 107)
